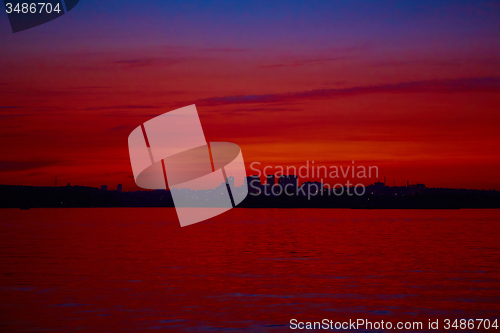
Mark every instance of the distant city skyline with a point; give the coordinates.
(284, 195)
(284, 180)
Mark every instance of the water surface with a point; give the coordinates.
(248, 270)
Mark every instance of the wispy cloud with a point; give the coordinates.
(452, 85)
(224, 50)
(148, 62)
(245, 111)
(10, 107)
(8, 166)
(123, 128)
(88, 87)
(304, 62)
(455, 62)
(5, 116)
(121, 107)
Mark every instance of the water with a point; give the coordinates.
(249, 270)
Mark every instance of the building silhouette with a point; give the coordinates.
(380, 188)
(312, 188)
(254, 184)
(290, 182)
(230, 181)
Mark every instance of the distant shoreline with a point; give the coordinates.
(28, 197)
(237, 207)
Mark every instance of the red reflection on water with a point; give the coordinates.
(253, 269)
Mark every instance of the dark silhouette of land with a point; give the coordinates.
(271, 195)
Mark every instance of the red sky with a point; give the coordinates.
(420, 99)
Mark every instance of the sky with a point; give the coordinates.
(412, 87)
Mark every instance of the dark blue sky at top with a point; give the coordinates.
(287, 25)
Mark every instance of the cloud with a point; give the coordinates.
(482, 84)
(10, 107)
(147, 62)
(439, 63)
(122, 128)
(87, 87)
(122, 107)
(223, 50)
(5, 116)
(304, 62)
(11, 115)
(7, 166)
(245, 111)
